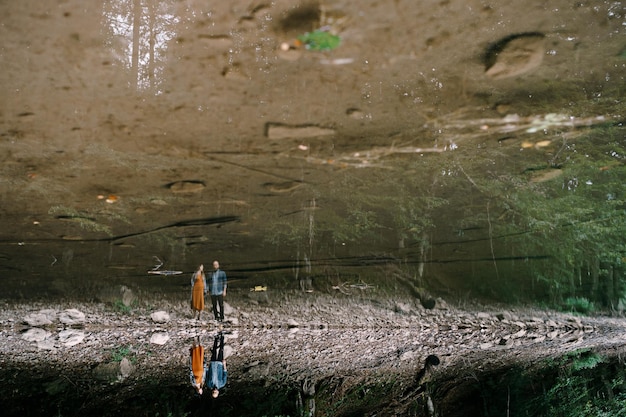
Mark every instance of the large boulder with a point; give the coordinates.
(72, 317)
(69, 338)
(41, 318)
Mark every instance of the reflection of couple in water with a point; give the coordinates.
(212, 376)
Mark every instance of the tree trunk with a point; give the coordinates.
(594, 276)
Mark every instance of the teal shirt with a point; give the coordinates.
(217, 375)
(218, 282)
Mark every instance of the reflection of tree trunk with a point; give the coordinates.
(135, 55)
(152, 30)
(422, 262)
(312, 208)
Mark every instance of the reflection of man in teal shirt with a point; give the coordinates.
(217, 373)
(218, 291)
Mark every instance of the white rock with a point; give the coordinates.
(42, 318)
(228, 351)
(408, 355)
(71, 337)
(72, 316)
(36, 335)
(126, 368)
(228, 309)
(159, 338)
(128, 297)
(403, 308)
(47, 344)
(160, 316)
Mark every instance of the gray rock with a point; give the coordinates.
(408, 355)
(72, 317)
(160, 317)
(71, 337)
(159, 338)
(36, 335)
(126, 368)
(228, 309)
(42, 318)
(228, 351)
(107, 372)
(402, 308)
(515, 55)
(47, 344)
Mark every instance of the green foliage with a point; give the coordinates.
(359, 224)
(283, 233)
(120, 307)
(320, 40)
(279, 400)
(581, 383)
(586, 362)
(579, 388)
(567, 215)
(579, 305)
(576, 220)
(123, 352)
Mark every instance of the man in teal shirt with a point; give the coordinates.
(218, 291)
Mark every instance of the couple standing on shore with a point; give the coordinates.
(217, 288)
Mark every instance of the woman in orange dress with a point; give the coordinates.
(198, 291)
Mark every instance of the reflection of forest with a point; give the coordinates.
(138, 34)
(539, 220)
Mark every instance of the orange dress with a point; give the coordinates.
(197, 292)
(197, 364)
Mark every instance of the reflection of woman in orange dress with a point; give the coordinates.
(198, 290)
(197, 368)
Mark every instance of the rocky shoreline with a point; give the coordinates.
(290, 340)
